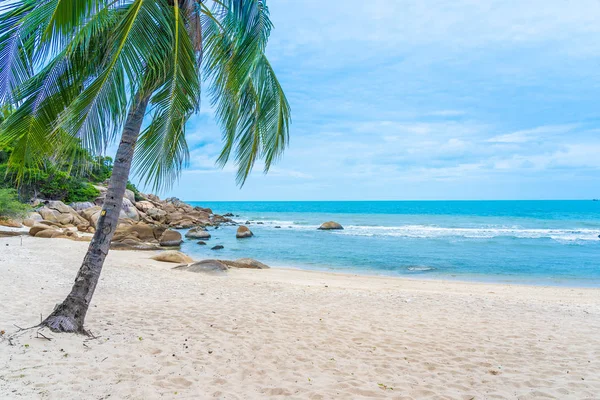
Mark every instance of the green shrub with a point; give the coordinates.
(10, 206)
(82, 192)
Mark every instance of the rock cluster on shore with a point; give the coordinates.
(143, 225)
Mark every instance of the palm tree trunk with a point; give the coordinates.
(69, 316)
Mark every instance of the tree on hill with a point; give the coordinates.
(91, 70)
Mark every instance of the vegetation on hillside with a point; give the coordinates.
(10, 206)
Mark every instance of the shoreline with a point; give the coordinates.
(365, 273)
(252, 334)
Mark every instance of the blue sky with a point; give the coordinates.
(413, 99)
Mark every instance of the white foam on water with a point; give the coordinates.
(424, 231)
(429, 231)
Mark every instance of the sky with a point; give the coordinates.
(424, 100)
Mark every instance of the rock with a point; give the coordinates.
(156, 214)
(183, 224)
(228, 215)
(133, 244)
(260, 223)
(248, 222)
(330, 225)
(173, 256)
(277, 227)
(243, 232)
(142, 231)
(129, 195)
(82, 206)
(59, 206)
(246, 263)
(35, 229)
(217, 247)
(170, 238)
(92, 214)
(198, 233)
(36, 217)
(49, 233)
(49, 214)
(129, 210)
(4, 234)
(215, 267)
(202, 243)
(144, 206)
(28, 222)
(11, 223)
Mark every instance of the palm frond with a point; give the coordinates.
(250, 103)
(162, 150)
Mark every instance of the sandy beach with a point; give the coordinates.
(281, 333)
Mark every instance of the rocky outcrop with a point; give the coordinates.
(330, 225)
(173, 256)
(243, 232)
(197, 233)
(143, 225)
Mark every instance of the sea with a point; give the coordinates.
(523, 242)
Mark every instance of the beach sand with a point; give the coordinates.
(280, 333)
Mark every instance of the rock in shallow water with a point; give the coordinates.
(243, 232)
(217, 247)
(330, 225)
(197, 233)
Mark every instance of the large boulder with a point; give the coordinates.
(129, 195)
(156, 214)
(173, 256)
(144, 206)
(213, 267)
(35, 229)
(133, 244)
(50, 233)
(141, 231)
(243, 232)
(330, 225)
(129, 210)
(49, 214)
(92, 214)
(80, 206)
(250, 263)
(28, 222)
(10, 223)
(59, 206)
(170, 238)
(197, 233)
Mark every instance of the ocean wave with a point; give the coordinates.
(420, 268)
(424, 231)
(429, 231)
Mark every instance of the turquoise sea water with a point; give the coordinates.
(533, 242)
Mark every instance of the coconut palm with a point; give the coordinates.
(95, 68)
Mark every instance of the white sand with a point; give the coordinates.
(285, 333)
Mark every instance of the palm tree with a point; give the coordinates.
(94, 68)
